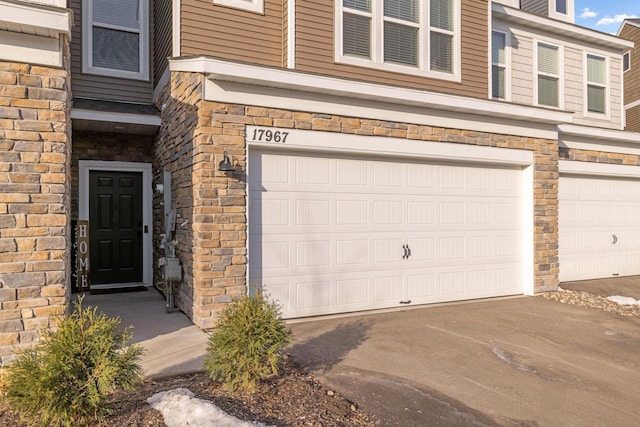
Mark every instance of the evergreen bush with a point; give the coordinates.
(247, 344)
(65, 378)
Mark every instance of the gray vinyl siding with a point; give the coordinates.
(97, 86)
(539, 7)
(162, 40)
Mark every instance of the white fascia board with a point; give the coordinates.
(287, 79)
(626, 22)
(103, 116)
(631, 105)
(388, 147)
(569, 167)
(560, 28)
(33, 15)
(606, 135)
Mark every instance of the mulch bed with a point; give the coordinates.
(291, 399)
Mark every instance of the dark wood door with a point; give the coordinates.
(115, 227)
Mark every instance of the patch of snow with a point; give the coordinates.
(180, 408)
(624, 300)
(560, 289)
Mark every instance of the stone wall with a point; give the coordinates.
(35, 151)
(194, 137)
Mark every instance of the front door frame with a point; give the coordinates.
(85, 166)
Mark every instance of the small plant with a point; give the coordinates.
(65, 378)
(247, 344)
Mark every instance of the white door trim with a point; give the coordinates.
(85, 166)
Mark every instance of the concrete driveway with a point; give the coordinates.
(521, 361)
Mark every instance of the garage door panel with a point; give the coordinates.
(599, 223)
(365, 233)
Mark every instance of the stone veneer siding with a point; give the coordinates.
(35, 153)
(194, 135)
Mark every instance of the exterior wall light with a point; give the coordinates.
(225, 165)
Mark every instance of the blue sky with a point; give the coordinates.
(605, 15)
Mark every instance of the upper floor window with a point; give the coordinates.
(250, 5)
(548, 75)
(409, 36)
(626, 61)
(561, 6)
(562, 10)
(596, 84)
(115, 38)
(498, 65)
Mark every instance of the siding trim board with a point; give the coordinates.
(286, 79)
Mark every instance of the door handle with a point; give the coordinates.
(405, 256)
(615, 239)
(408, 251)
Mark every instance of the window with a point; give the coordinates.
(626, 61)
(498, 65)
(561, 6)
(115, 38)
(548, 75)
(596, 84)
(250, 5)
(410, 36)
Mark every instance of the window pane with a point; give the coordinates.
(441, 14)
(123, 13)
(357, 35)
(561, 6)
(118, 50)
(441, 52)
(596, 99)
(596, 70)
(400, 44)
(498, 45)
(407, 10)
(548, 91)
(547, 58)
(626, 62)
(363, 5)
(498, 82)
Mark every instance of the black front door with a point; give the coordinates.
(115, 227)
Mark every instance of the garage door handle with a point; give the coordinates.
(405, 248)
(615, 239)
(408, 251)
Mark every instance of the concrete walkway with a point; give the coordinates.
(628, 286)
(174, 345)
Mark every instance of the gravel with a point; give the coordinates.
(593, 301)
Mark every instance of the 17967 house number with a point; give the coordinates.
(268, 135)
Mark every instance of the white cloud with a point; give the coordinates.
(617, 19)
(588, 13)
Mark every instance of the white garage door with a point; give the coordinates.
(599, 225)
(330, 235)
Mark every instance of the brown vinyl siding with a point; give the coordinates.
(285, 35)
(315, 51)
(233, 34)
(539, 7)
(632, 77)
(633, 119)
(97, 86)
(162, 42)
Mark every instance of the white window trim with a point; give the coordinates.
(506, 66)
(567, 17)
(607, 88)
(87, 45)
(377, 57)
(85, 166)
(560, 75)
(628, 55)
(256, 6)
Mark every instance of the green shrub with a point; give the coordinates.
(65, 378)
(247, 344)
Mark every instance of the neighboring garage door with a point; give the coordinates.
(334, 234)
(599, 226)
